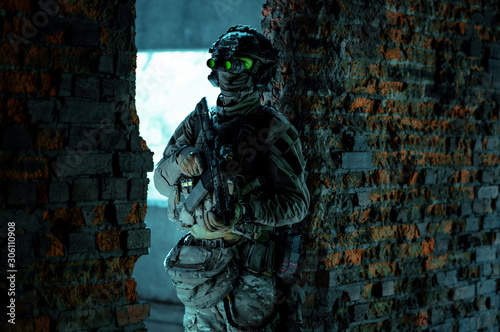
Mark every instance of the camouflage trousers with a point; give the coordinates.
(252, 301)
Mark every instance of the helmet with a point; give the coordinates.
(243, 48)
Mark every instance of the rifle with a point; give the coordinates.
(211, 181)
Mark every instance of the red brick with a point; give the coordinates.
(8, 56)
(391, 53)
(402, 20)
(385, 269)
(132, 313)
(437, 159)
(99, 214)
(57, 248)
(332, 260)
(18, 82)
(362, 104)
(422, 319)
(13, 111)
(464, 144)
(123, 265)
(137, 214)
(436, 210)
(307, 48)
(395, 35)
(71, 216)
(409, 231)
(462, 159)
(382, 308)
(485, 34)
(361, 216)
(420, 56)
(49, 139)
(56, 38)
(24, 168)
(378, 70)
(108, 240)
(353, 256)
(361, 85)
(129, 286)
(36, 324)
(76, 60)
(43, 193)
(436, 262)
(381, 233)
(428, 42)
(367, 292)
(351, 239)
(89, 9)
(18, 5)
(409, 250)
(37, 57)
(489, 159)
(382, 176)
(49, 85)
(108, 292)
(427, 246)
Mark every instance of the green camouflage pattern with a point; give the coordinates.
(252, 300)
(282, 200)
(202, 276)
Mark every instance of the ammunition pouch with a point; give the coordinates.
(258, 257)
(280, 254)
(289, 253)
(202, 271)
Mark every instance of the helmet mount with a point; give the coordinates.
(243, 48)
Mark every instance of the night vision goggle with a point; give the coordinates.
(233, 65)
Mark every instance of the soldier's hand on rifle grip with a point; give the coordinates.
(215, 224)
(191, 165)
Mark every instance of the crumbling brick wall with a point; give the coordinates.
(73, 166)
(397, 103)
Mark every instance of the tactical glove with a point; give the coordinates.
(190, 164)
(214, 224)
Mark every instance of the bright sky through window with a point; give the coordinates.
(169, 85)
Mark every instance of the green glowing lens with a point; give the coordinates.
(211, 63)
(247, 61)
(227, 65)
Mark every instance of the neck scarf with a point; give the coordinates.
(238, 96)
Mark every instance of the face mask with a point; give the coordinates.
(230, 82)
(238, 95)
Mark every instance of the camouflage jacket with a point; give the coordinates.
(267, 168)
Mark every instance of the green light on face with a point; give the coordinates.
(210, 63)
(227, 65)
(247, 61)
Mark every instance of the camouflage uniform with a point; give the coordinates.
(281, 200)
(267, 179)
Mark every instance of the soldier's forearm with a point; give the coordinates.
(281, 210)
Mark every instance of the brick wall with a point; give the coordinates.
(398, 106)
(72, 166)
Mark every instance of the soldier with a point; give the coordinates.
(226, 274)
